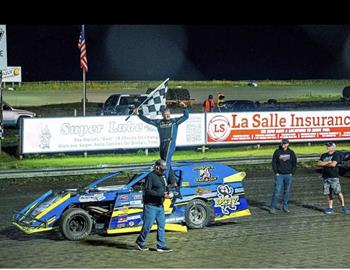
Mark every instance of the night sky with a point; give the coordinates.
(181, 52)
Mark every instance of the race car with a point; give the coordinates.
(205, 192)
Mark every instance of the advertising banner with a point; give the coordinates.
(68, 134)
(12, 74)
(259, 127)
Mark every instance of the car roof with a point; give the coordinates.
(236, 101)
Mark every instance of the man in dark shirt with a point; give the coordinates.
(167, 129)
(328, 161)
(153, 197)
(284, 164)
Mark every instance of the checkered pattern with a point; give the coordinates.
(156, 100)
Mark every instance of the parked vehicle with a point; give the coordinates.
(237, 106)
(176, 95)
(12, 116)
(205, 192)
(344, 164)
(121, 104)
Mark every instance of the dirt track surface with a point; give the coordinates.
(305, 238)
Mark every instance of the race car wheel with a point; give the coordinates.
(197, 214)
(76, 224)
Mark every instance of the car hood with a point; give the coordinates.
(24, 112)
(32, 213)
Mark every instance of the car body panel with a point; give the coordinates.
(121, 206)
(237, 106)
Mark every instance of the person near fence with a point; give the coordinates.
(330, 174)
(209, 104)
(153, 210)
(284, 164)
(167, 130)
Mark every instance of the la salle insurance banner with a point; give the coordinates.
(68, 134)
(258, 127)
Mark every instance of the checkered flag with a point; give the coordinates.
(156, 100)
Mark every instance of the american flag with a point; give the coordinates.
(156, 100)
(82, 47)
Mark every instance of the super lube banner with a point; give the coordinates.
(259, 127)
(68, 134)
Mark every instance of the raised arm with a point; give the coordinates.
(147, 120)
(184, 117)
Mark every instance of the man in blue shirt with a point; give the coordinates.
(167, 129)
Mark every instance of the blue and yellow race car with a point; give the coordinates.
(113, 204)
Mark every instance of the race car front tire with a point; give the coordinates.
(197, 214)
(76, 224)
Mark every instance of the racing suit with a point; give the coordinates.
(167, 130)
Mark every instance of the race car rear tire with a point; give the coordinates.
(76, 224)
(197, 214)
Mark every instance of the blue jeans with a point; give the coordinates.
(281, 181)
(167, 150)
(151, 213)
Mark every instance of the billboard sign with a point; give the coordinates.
(69, 134)
(12, 74)
(259, 127)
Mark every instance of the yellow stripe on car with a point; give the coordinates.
(235, 177)
(51, 220)
(126, 212)
(242, 213)
(53, 206)
(29, 230)
(167, 208)
(24, 215)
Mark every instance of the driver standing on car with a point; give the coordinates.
(167, 129)
(153, 197)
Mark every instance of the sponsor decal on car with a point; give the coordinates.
(137, 197)
(205, 174)
(201, 191)
(124, 203)
(123, 197)
(122, 218)
(226, 200)
(139, 202)
(92, 197)
(134, 217)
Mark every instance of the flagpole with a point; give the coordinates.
(84, 91)
(84, 78)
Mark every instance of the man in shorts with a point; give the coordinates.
(328, 161)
